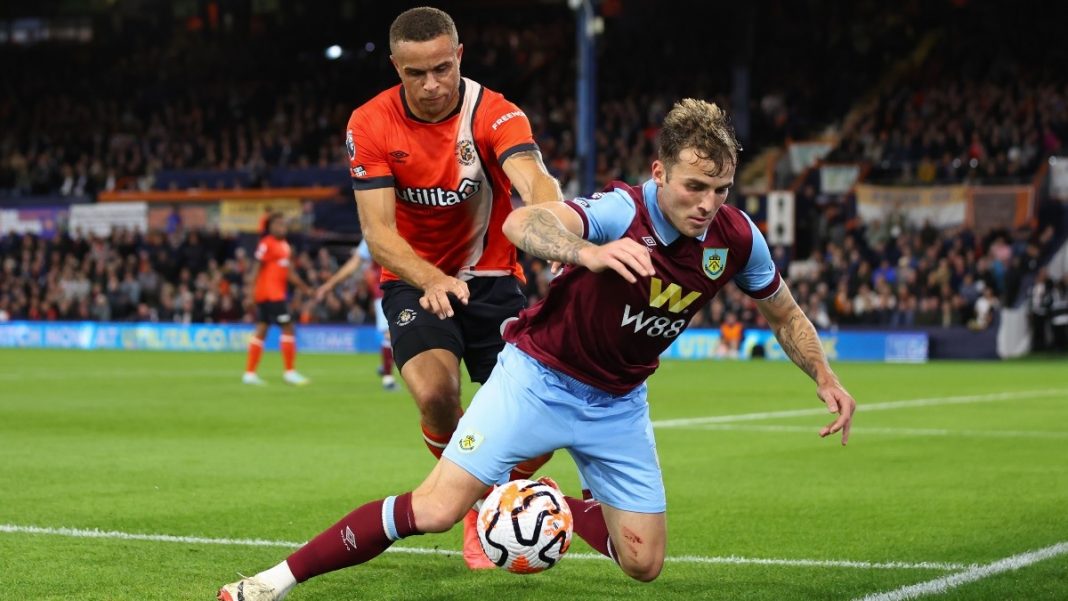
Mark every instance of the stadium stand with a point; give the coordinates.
(159, 111)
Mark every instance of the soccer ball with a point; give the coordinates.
(525, 526)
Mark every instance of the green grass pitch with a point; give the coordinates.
(972, 471)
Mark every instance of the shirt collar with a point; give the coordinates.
(665, 232)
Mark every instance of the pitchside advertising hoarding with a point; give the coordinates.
(694, 344)
(178, 337)
(906, 347)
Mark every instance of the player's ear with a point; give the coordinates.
(459, 52)
(659, 173)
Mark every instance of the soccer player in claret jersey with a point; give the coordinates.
(433, 161)
(270, 274)
(361, 257)
(641, 261)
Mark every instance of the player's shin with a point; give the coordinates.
(589, 524)
(288, 344)
(255, 351)
(359, 537)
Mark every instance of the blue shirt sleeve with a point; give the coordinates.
(363, 250)
(607, 215)
(759, 272)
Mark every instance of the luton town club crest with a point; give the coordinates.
(714, 262)
(465, 152)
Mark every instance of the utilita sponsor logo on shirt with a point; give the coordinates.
(506, 117)
(440, 197)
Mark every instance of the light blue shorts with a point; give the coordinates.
(526, 409)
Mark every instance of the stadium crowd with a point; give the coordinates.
(115, 116)
(887, 275)
(966, 112)
(183, 277)
(974, 131)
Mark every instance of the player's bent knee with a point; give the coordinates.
(642, 569)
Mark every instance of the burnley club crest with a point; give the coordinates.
(714, 262)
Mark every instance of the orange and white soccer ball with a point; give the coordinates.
(525, 526)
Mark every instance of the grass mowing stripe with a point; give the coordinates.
(891, 431)
(865, 407)
(255, 542)
(123, 374)
(944, 584)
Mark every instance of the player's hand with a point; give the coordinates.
(436, 294)
(321, 292)
(556, 268)
(624, 256)
(841, 402)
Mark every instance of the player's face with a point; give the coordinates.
(430, 74)
(278, 228)
(689, 196)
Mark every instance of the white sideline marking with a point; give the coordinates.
(256, 542)
(893, 431)
(864, 408)
(943, 584)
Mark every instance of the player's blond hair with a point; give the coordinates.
(420, 25)
(702, 127)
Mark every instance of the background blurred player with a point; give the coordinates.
(642, 261)
(270, 274)
(361, 257)
(433, 163)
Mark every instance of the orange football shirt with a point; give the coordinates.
(452, 194)
(273, 255)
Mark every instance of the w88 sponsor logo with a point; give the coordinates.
(652, 326)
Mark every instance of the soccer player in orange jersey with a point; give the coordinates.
(270, 274)
(433, 161)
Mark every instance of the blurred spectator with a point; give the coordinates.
(1041, 308)
(985, 308)
(730, 337)
(1059, 314)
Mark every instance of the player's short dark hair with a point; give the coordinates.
(702, 127)
(420, 25)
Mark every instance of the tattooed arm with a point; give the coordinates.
(797, 337)
(796, 334)
(553, 232)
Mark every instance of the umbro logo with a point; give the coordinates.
(399, 155)
(649, 241)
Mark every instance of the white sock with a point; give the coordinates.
(280, 578)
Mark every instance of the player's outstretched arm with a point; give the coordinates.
(554, 232)
(297, 281)
(339, 276)
(531, 179)
(377, 209)
(799, 340)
